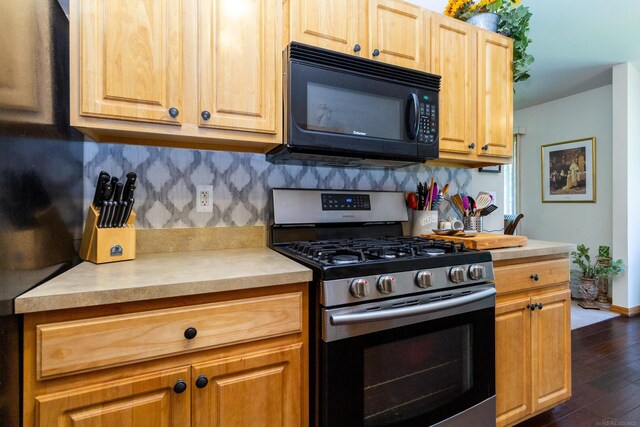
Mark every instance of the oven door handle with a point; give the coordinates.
(347, 319)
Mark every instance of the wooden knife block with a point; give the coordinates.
(100, 245)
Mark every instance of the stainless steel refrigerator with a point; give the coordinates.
(41, 167)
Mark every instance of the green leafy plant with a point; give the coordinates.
(514, 23)
(594, 270)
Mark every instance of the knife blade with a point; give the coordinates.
(103, 179)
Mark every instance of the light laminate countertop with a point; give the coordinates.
(163, 275)
(534, 248)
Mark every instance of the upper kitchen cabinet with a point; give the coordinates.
(239, 58)
(338, 25)
(391, 31)
(495, 95)
(476, 96)
(179, 73)
(453, 46)
(131, 60)
(398, 33)
(26, 70)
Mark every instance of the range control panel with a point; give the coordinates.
(345, 202)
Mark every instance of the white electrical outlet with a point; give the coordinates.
(204, 193)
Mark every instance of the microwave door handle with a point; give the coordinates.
(413, 116)
(347, 319)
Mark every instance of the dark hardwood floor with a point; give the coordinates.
(606, 377)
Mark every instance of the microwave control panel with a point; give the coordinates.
(427, 128)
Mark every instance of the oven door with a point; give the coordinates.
(340, 112)
(422, 365)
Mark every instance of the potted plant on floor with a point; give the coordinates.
(592, 272)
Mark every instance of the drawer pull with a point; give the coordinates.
(173, 112)
(357, 48)
(531, 307)
(205, 115)
(471, 146)
(202, 381)
(180, 387)
(190, 333)
(540, 306)
(535, 277)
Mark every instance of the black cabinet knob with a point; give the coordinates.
(180, 387)
(190, 333)
(357, 48)
(205, 115)
(485, 147)
(376, 52)
(202, 381)
(472, 146)
(540, 306)
(173, 112)
(534, 277)
(531, 307)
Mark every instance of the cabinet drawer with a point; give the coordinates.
(88, 344)
(519, 277)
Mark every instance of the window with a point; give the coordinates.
(511, 182)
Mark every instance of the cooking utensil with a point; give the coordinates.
(472, 206)
(457, 203)
(106, 204)
(430, 195)
(482, 201)
(117, 206)
(103, 179)
(465, 205)
(486, 211)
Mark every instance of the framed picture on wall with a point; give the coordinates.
(569, 171)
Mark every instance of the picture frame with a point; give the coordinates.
(491, 169)
(568, 171)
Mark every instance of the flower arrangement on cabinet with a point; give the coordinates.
(513, 22)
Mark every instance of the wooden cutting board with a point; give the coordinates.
(484, 240)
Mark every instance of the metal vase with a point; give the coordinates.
(488, 21)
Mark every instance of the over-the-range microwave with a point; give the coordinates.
(342, 109)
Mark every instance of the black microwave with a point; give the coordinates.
(346, 110)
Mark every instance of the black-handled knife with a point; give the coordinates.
(131, 182)
(106, 205)
(103, 179)
(114, 204)
(129, 201)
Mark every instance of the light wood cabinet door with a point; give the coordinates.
(240, 63)
(398, 33)
(338, 25)
(453, 47)
(495, 95)
(131, 59)
(551, 345)
(142, 401)
(262, 387)
(513, 360)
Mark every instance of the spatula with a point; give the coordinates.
(486, 211)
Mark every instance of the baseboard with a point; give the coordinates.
(628, 312)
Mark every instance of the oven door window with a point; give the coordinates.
(415, 375)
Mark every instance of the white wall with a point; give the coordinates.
(579, 116)
(435, 5)
(626, 175)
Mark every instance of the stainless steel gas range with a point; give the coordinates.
(402, 328)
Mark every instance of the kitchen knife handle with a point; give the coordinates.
(103, 214)
(129, 186)
(130, 203)
(103, 179)
(122, 209)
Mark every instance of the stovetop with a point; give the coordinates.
(339, 258)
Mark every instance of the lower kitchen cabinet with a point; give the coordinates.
(190, 363)
(142, 401)
(533, 338)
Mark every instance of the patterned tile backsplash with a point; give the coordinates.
(167, 179)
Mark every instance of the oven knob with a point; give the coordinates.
(456, 274)
(423, 279)
(476, 272)
(386, 284)
(359, 288)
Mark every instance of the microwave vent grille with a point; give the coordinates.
(299, 52)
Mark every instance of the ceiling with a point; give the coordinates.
(575, 43)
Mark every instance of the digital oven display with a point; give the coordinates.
(345, 202)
